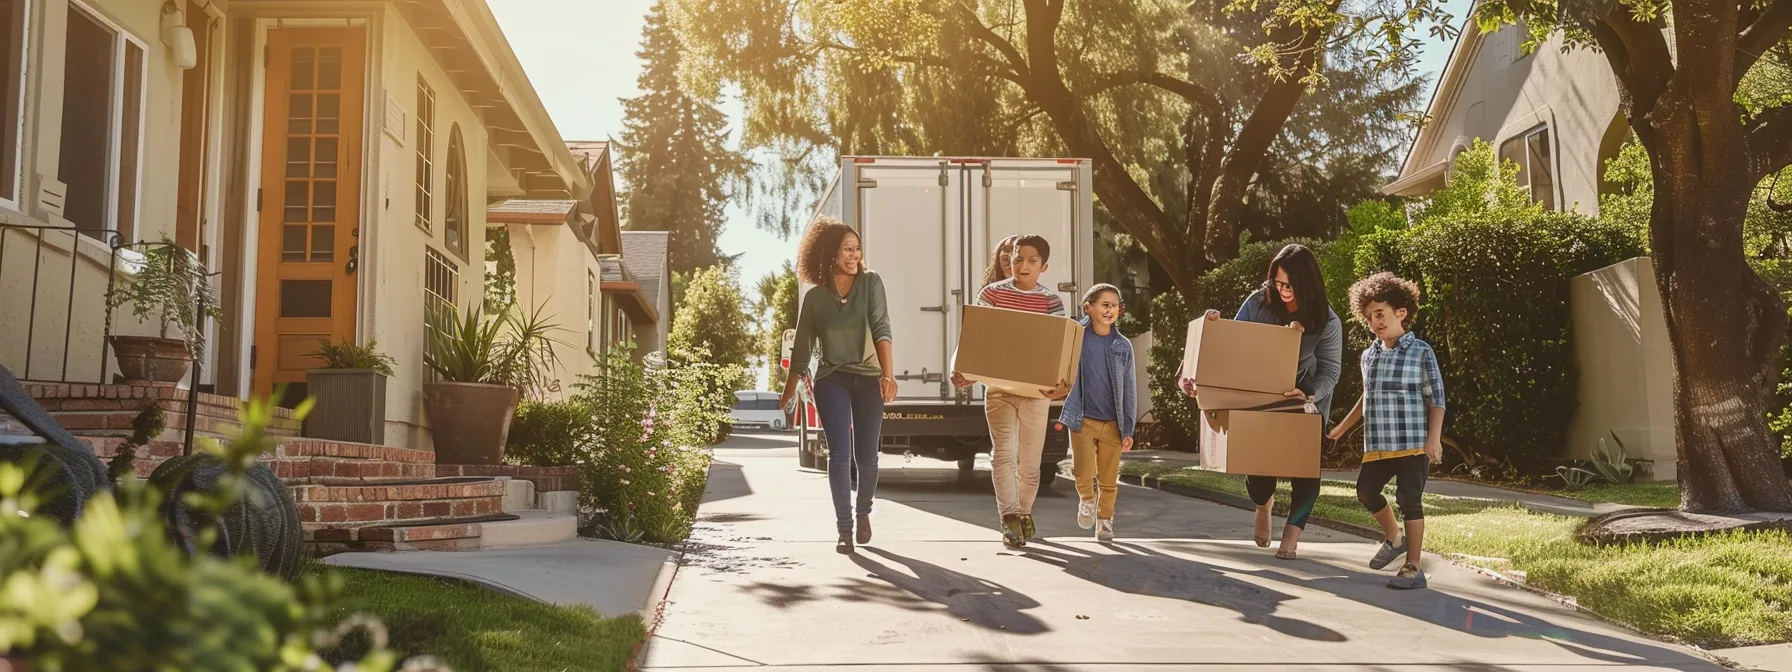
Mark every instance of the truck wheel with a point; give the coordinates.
(967, 464)
(804, 458)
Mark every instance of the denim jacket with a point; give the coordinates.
(1120, 367)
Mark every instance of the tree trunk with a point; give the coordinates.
(1725, 325)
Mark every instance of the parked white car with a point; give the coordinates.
(757, 408)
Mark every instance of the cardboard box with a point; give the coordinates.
(1221, 399)
(1243, 356)
(1257, 443)
(1018, 352)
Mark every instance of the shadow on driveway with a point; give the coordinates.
(967, 598)
(970, 498)
(726, 481)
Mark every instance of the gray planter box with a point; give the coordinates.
(351, 405)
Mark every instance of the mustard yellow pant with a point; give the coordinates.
(1095, 461)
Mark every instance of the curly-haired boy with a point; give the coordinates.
(1403, 404)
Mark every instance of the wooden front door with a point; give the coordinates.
(310, 201)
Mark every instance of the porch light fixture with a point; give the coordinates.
(178, 36)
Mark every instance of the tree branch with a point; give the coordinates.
(1001, 44)
(1767, 30)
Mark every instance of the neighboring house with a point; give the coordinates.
(625, 305)
(556, 249)
(1552, 112)
(644, 254)
(329, 161)
(1555, 113)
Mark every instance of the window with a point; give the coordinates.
(1536, 170)
(440, 281)
(102, 114)
(426, 143)
(454, 219)
(15, 15)
(590, 312)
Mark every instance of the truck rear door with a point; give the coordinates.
(907, 211)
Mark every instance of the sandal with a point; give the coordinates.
(1285, 554)
(1262, 539)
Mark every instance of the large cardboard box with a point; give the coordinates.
(1018, 352)
(1221, 399)
(1257, 443)
(1250, 364)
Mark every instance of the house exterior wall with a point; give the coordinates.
(392, 281)
(1626, 366)
(1504, 93)
(64, 318)
(552, 266)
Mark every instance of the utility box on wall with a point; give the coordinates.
(1626, 366)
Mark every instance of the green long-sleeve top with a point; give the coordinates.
(842, 325)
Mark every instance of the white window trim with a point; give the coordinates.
(116, 123)
(1523, 137)
(14, 200)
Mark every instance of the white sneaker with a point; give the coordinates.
(1085, 515)
(1104, 530)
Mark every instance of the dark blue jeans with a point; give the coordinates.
(852, 419)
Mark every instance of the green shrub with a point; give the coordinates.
(1778, 275)
(639, 433)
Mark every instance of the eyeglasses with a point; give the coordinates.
(1283, 286)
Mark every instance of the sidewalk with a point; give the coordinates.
(1448, 487)
(614, 578)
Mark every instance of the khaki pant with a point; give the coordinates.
(1017, 438)
(1095, 455)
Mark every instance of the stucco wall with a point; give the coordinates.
(551, 268)
(1506, 93)
(393, 279)
(1626, 366)
(47, 327)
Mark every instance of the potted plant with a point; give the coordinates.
(350, 389)
(170, 284)
(483, 364)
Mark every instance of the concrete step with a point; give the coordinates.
(463, 534)
(531, 528)
(560, 501)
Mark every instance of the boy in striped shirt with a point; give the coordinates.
(1017, 423)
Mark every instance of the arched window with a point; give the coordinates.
(454, 231)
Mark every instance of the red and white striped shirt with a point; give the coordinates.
(1003, 294)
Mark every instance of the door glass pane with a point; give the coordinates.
(305, 298)
(292, 242)
(298, 113)
(323, 243)
(326, 157)
(298, 193)
(298, 157)
(329, 111)
(329, 68)
(303, 61)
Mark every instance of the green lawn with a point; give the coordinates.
(1718, 591)
(1655, 495)
(473, 629)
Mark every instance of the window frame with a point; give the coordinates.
(425, 155)
(122, 39)
(456, 210)
(1525, 170)
(447, 304)
(591, 313)
(15, 200)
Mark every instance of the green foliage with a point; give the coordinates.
(1575, 478)
(500, 283)
(112, 592)
(351, 356)
(1612, 462)
(504, 349)
(1632, 190)
(1778, 275)
(777, 309)
(639, 433)
(674, 154)
(711, 319)
(171, 284)
(145, 426)
(1494, 278)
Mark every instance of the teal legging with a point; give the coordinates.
(1306, 494)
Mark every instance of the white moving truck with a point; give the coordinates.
(929, 226)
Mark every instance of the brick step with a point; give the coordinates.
(75, 397)
(338, 502)
(295, 469)
(453, 534)
(295, 448)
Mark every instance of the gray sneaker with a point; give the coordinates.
(1409, 578)
(1085, 514)
(1104, 530)
(1387, 554)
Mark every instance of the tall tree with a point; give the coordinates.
(1707, 153)
(712, 324)
(1174, 156)
(674, 154)
(776, 309)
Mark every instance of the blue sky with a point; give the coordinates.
(580, 56)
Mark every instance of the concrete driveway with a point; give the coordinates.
(1184, 588)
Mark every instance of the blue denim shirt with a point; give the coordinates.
(1120, 365)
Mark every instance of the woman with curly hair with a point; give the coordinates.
(845, 312)
(1001, 265)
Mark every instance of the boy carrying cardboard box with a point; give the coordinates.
(1017, 421)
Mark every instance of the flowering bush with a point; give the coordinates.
(639, 432)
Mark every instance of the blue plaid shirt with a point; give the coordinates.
(1399, 387)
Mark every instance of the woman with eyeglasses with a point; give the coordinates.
(1293, 294)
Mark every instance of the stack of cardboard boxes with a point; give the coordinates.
(1018, 352)
(1241, 371)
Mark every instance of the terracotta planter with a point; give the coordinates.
(157, 360)
(469, 421)
(351, 405)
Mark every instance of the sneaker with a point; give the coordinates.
(1104, 530)
(1027, 531)
(1387, 554)
(1409, 578)
(1085, 515)
(1011, 532)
